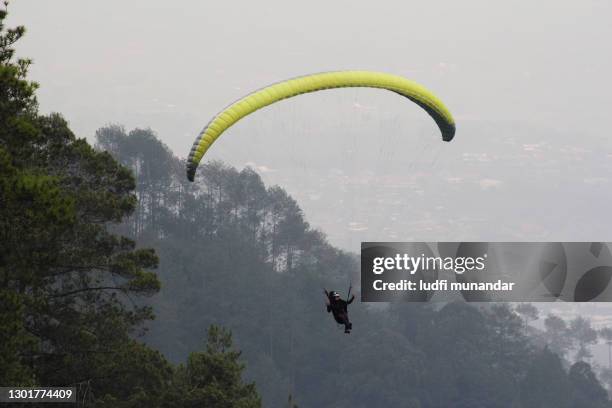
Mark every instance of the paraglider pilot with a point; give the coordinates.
(339, 308)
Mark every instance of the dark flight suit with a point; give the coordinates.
(340, 311)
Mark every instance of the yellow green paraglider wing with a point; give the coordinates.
(317, 82)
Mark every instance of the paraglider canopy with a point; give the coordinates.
(316, 82)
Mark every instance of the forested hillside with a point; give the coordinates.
(241, 254)
(71, 289)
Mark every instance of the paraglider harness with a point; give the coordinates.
(339, 309)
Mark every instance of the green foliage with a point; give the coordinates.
(527, 311)
(71, 286)
(586, 389)
(13, 340)
(213, 378)
(557, 335)
(546, 383)
(583, 335)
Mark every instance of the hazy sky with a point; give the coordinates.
(528, 82)
(171, 65)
